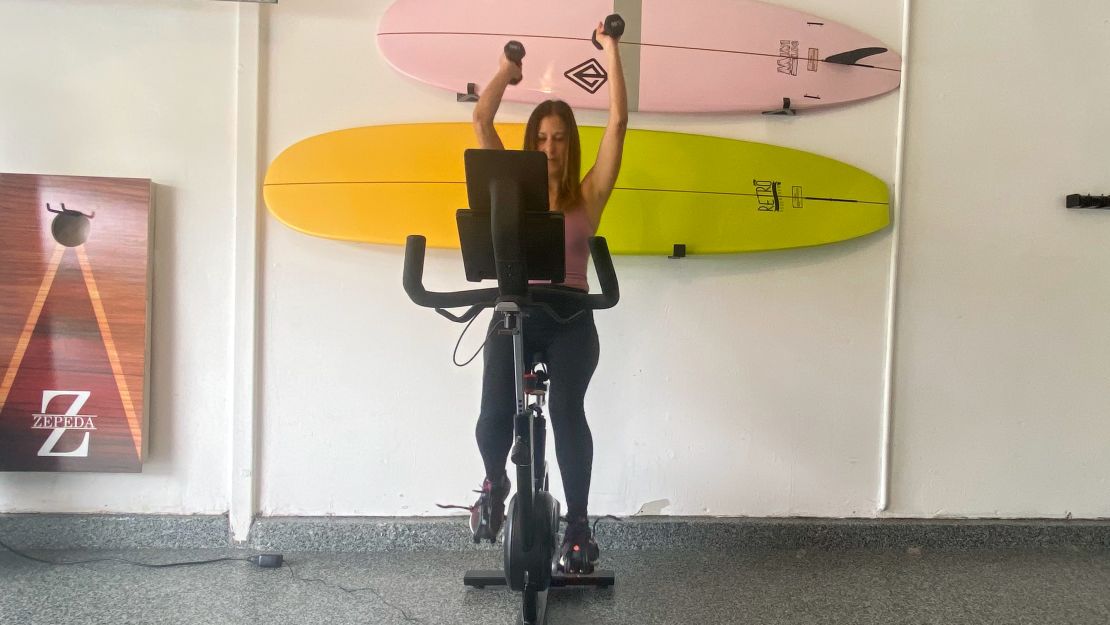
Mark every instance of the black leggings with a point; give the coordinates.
(572, 352)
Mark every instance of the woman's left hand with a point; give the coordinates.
(607, 42)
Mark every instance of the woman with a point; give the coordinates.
(571, 349)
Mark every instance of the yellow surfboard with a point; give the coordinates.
(379, 184)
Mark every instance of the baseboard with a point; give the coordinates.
(369, 534)
(114, 531)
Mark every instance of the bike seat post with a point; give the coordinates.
(523, 452)
(536, 386)
(513, 317)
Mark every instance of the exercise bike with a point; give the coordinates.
(509, 234)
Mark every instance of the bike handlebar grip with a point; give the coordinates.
(413, 281)
(414, 269)
(606, 275)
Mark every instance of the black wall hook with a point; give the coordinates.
(1076, 200)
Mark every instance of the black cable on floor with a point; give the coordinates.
(253, 560)
(607, 516)
(354, 591)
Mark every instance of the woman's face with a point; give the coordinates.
(552, 140)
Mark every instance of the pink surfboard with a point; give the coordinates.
(678, 55)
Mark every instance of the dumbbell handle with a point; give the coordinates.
(514, 51)
(614, 27)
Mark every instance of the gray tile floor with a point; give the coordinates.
(770, 586)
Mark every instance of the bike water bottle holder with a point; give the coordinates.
(535, 384)
(535, 380)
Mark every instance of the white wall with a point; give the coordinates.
(140, 89)
(1003, 369)
(734, 385)
(740, 385)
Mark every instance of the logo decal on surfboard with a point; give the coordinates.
(767, 195)
(814, 56)
(589, 75)
(788, 57)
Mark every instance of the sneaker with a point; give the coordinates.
(580, 552)
(487, 515)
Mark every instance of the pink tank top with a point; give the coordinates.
(577, 232)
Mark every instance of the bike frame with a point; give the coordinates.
(525, 430)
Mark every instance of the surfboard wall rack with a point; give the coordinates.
(785, 110)
(1076, 200)
(471, 94)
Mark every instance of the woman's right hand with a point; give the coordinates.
(511, 70)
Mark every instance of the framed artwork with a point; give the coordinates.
(75, 287)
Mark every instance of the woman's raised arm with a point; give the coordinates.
(599, 181)
(490, 100)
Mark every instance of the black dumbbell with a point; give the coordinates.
(514, 51)
(614, 27)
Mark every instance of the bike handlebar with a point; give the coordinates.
(478, 299)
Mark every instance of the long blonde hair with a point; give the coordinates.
(570, 187)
